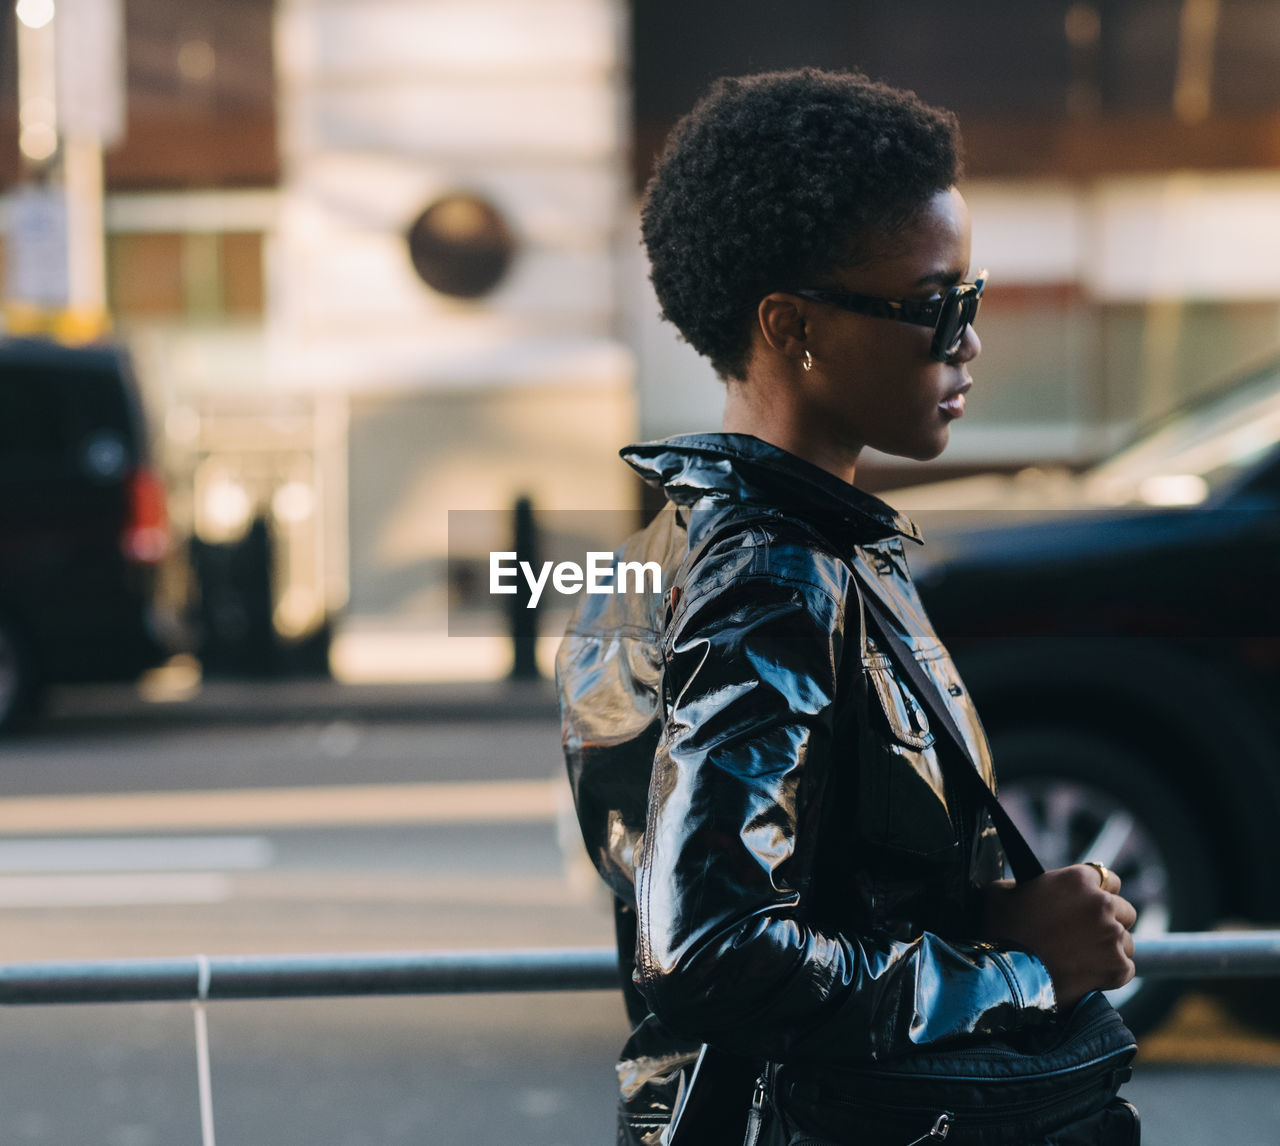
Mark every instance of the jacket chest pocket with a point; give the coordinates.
(902, 799)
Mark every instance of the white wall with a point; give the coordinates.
(386, 105)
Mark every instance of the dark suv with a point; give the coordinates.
(83, 526)
(1120, 632)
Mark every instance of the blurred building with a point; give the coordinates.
(1123, 169)
(377, 258)
(316, 368)
(454, 180)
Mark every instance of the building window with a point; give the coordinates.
(144, 276)
(241, 268)
(185, 276)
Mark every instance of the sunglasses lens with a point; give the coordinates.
(959, 309)
(950, 327)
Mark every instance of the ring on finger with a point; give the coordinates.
(1104, 872)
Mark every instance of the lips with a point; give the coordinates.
(953, 404)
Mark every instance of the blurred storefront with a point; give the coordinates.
(454, 177)
(365, 257)
(377, 259)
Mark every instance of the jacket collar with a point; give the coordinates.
(740, 467)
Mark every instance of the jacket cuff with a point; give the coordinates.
(1029, 984)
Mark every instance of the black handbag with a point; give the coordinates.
(1058, 1088)
(1055, 1086)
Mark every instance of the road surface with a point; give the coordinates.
(136, 839)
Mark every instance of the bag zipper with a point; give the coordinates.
(938, 1131)
(986, 1056)
(971, 1116)
(755, 1116)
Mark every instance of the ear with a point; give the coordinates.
(782, 322)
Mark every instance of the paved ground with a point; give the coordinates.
(385, 1072)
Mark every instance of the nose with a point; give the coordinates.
(969, 349)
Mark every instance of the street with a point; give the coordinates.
(135, 838)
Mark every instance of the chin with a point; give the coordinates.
(927, 451)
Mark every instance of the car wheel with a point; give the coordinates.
(1077, 796)
(18, 687)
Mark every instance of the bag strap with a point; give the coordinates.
(963, 771)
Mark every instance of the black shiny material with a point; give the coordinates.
(805, 887)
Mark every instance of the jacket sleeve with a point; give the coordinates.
(724, 953)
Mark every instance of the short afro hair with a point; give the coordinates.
(771, 180)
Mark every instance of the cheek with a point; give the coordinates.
(886, 349)
(884, 377)
(899, 381)
(897, 346)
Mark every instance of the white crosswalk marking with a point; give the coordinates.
(122, 871)
(99, 849)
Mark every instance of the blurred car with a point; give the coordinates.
(1119, 630)
(83, 526)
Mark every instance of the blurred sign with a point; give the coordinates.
(38, 254)
(91, 69)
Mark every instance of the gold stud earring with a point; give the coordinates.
(807, 361)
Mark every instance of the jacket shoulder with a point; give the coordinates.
(765, 550)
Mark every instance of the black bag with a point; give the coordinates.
(1050, 1087)
(1055, 1086)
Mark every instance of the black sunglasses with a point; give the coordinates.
(949, 316)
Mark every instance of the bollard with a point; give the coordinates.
(524, 620)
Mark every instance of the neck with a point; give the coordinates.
(779, 422)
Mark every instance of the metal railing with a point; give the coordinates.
(1198, 955)
(309, 976)
(200, 978)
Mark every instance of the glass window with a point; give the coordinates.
(205, 276)
(241, 266)
(144, 276)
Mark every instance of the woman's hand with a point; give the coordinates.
(1078, 927)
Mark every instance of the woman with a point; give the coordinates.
(795, 880)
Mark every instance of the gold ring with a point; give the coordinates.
(1103, 871)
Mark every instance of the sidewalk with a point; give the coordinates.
(266, 701)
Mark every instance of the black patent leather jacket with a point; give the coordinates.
(762, 792)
